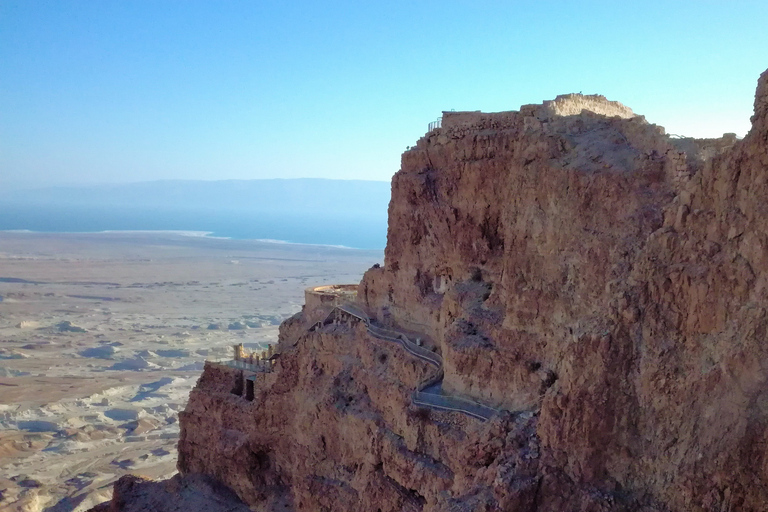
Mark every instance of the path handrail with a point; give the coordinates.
(415, 350)
(386, 334)
(242, 365)
(451, 403)
(420, 397)
(462, 400)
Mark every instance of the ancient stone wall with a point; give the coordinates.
(329, 295)
(574, 104)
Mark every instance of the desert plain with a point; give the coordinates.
(103, 335)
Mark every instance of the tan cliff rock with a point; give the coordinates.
(601, 284)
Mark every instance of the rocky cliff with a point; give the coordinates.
(599, 284)
(625, 303)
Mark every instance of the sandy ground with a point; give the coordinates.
(102, 336)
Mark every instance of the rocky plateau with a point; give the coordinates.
(601, 285)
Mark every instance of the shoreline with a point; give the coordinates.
(188, 234)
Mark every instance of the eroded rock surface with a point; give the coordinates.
(191, 493)
(601, 284)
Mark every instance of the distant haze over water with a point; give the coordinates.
(351, 213)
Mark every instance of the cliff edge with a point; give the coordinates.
(598, 286)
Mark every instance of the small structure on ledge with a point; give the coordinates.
(329, 295)
(254, 361)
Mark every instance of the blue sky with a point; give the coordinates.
(120, 91)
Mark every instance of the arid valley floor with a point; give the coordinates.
(103, 335)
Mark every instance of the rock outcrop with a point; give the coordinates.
(603, 285)
(190, 493)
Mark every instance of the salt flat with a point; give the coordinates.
(102, 336)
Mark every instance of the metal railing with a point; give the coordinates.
(434, 125)
(412, 348)
(454, 403)
(421, 396)
(243, 365)
(386, 334)
(424, 396)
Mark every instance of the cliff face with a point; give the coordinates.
(601, 284)
(626, 295)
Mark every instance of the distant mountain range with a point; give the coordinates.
(334, 212)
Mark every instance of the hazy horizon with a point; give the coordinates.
(106, 92)
(99, 184)
(350, 213)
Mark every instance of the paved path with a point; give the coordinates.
(430, 394)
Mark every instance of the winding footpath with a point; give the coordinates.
(430, 394)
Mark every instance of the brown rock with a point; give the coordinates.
(601, 283)
(191, 493)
